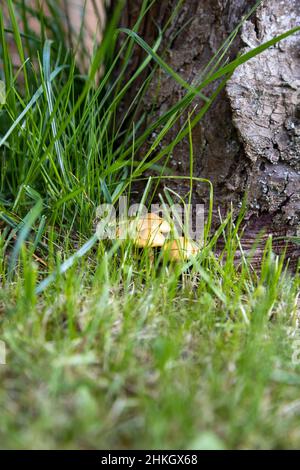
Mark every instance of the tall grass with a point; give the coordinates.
(106, 347)
(62, 138)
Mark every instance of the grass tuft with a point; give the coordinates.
(107, 348)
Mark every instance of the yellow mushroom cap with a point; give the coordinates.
(149, 230)
(152, 221)
(180, 249)
(145, 230)
(151, 239)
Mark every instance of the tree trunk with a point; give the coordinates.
(249, 141)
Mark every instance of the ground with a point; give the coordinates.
(125, 357)
(107, 345)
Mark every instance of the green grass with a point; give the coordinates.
(104, 348)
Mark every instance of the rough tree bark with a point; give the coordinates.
(250, 139)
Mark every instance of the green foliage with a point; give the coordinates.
(106, 348)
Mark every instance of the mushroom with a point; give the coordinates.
(181, 248)
(152, 222)
(146, 231)
(150, 230)
(146, 238)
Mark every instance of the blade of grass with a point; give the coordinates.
(23, 234)
(47, 78)
(33, 100)
(150, 51)
(18, 42)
